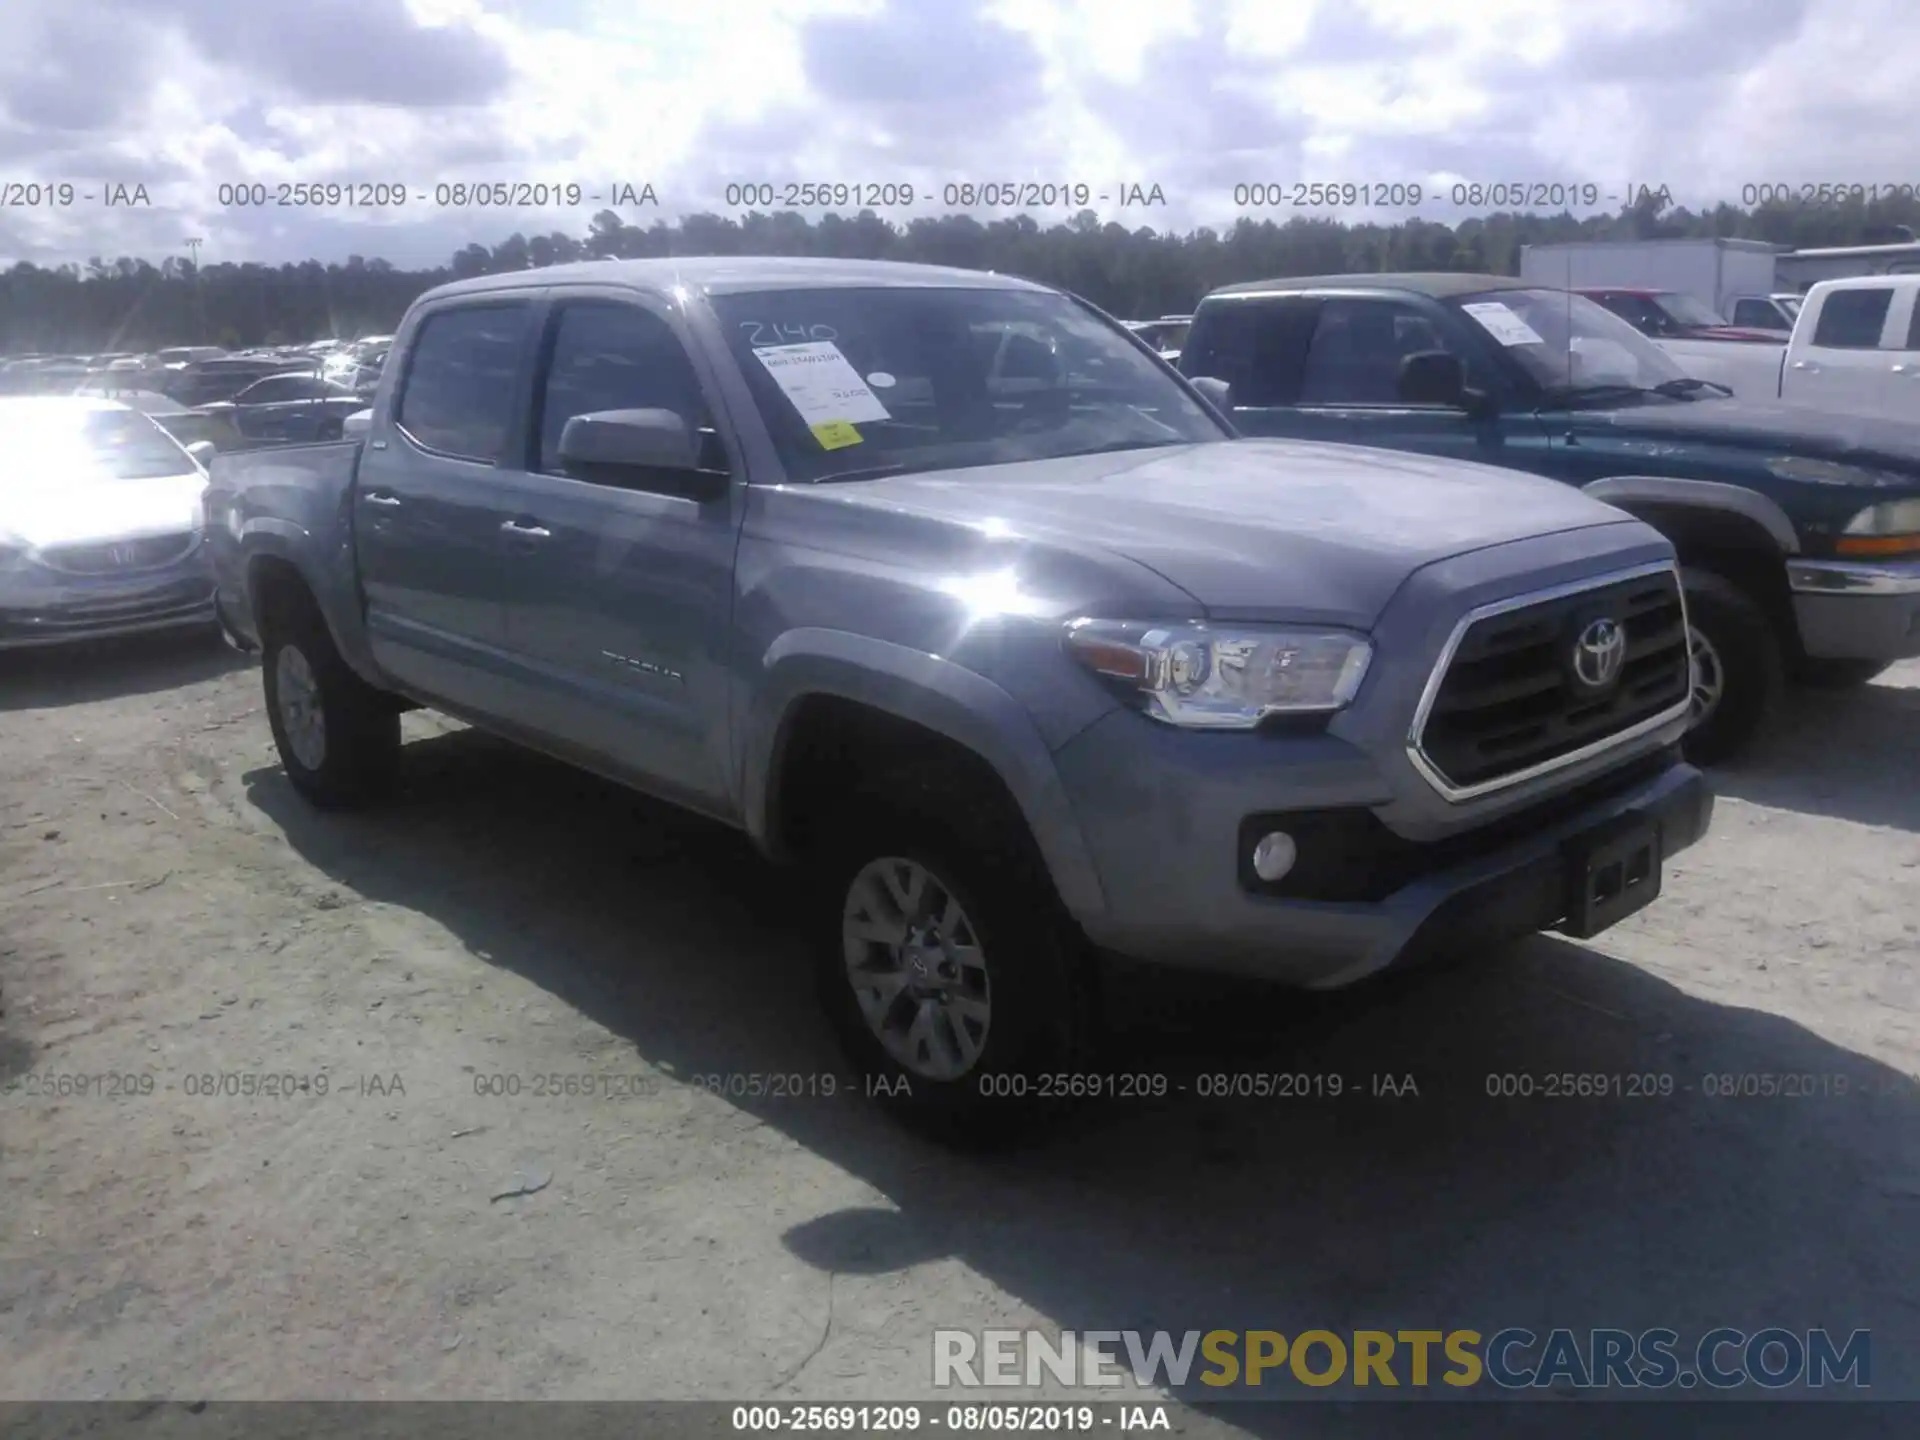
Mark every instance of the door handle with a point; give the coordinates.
(382, 498)
(1805, 365)
(1905, 369)
(526, 532)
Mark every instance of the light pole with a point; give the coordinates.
(194, 243)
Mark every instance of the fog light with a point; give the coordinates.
(1274, 855)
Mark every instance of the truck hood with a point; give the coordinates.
(1314, 531)
(1796, 430)
(87, 509)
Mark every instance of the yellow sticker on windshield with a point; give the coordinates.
(836, 434)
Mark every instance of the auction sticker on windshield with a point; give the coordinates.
(826, 390)
(1501, 323)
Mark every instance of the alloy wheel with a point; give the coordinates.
(917, 968)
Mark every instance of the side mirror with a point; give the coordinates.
(650, 449)
(1436, 377)
(358, 423)
(1433, 377)
(203, 452)
(1216, 392)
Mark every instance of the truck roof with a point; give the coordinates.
(1695, 242)
(726, 274)
(1438, 284)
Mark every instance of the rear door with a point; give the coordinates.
(1837, 359)
(429, 501)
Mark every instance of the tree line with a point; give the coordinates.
(131, 304)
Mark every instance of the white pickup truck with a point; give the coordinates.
(1854, 350)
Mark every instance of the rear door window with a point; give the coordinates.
(1258, 346)
(1853, 319)
(462, 379)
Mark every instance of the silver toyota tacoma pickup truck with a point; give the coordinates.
(943, 586)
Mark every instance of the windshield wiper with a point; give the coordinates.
(1687, 385)
(870, 472)
(1115, 445)
(876, 472)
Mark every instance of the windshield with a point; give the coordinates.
(858, 380)
(51, 445)
(1567, 342)
(1689, 311)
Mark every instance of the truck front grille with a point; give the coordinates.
(118, 557)
(1540, 680)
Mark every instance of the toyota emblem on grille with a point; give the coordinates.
(1598, 653)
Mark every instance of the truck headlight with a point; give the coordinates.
(1889, 528)
(1224, 677)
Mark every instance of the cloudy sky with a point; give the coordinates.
(1195, 96)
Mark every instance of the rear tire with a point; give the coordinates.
(981, 1066)
(1739, 672)
(1837, 674)
(338, 737)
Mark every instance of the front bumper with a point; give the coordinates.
(1857, 609)
(1187, 899)
(102, 607)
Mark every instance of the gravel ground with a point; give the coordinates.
(169, 911)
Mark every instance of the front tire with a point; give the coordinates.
(1738, 671)
(950, 974)
(338, 737)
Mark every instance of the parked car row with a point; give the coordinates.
(269, 395)
(100, 523)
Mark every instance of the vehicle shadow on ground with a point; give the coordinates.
(95, 670)
(1849, 755)
(1446, 1209)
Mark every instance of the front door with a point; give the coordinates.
(619, 597)
(427, 504)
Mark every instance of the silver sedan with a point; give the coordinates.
(100, 523)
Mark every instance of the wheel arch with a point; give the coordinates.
(275, 577)
(810, 678)
(1730, 530)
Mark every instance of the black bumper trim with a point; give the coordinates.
(1533, 896)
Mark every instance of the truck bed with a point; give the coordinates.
(292, 501)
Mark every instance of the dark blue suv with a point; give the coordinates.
(1798, 530)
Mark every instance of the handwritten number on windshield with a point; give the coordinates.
(762, 333)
